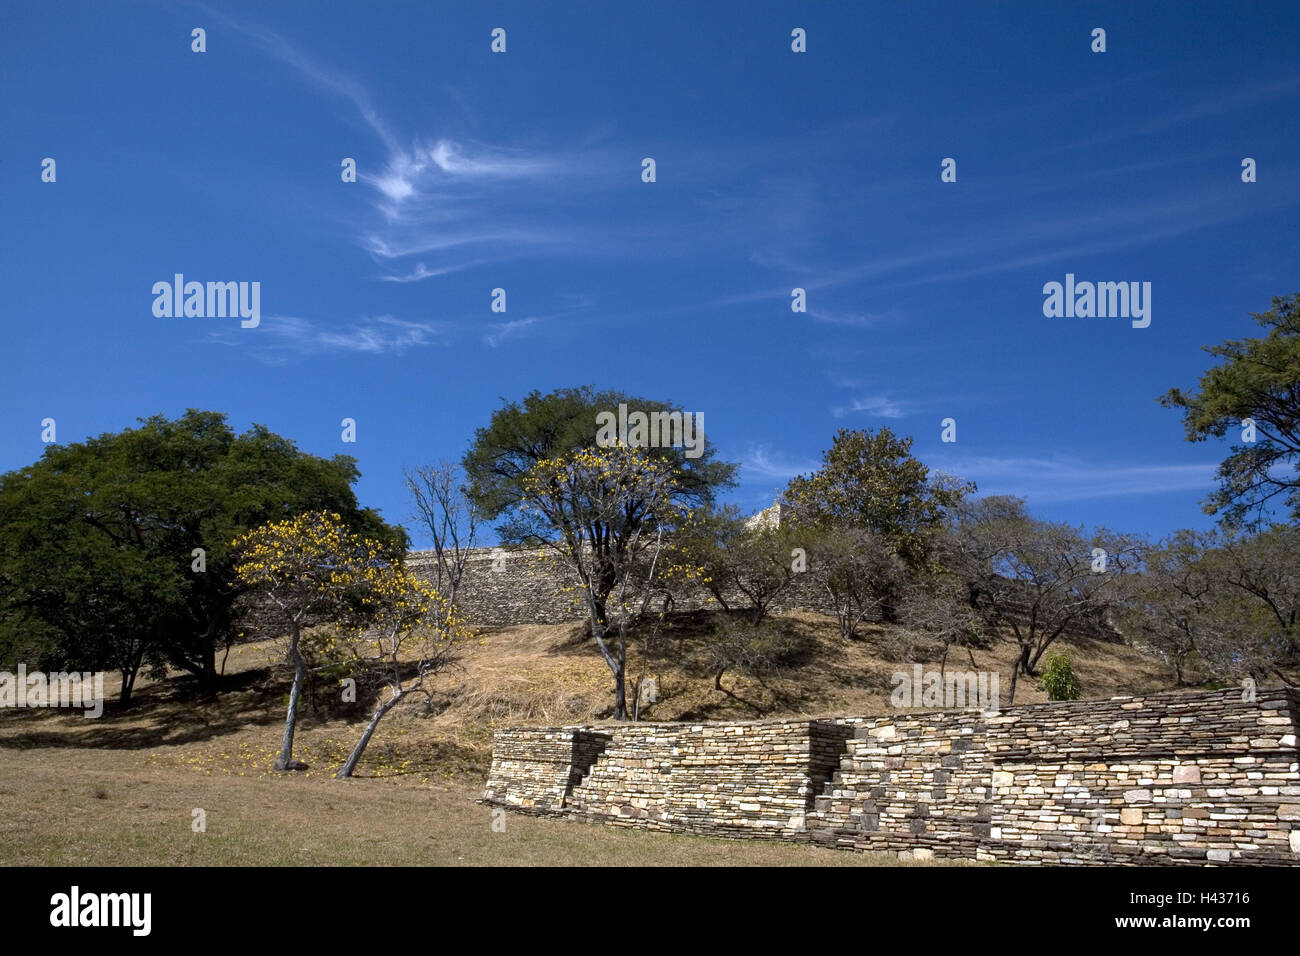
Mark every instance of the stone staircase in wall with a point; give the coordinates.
(914, 785)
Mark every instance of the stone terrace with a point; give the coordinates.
(1163, 778)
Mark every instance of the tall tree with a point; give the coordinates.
(871, 481)
(1036, 578)
(584, 494)
(553, 426)
(444, 508)
(407, 632)
(117, 549)
(309, 570)
(1255, 394)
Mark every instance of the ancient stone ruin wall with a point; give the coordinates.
(502, 588)
(754, 778)
(538, 769)
(523, 589)
(1165, 778)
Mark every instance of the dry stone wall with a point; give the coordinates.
(504, 587)
(501, 588)
(1165, 778)
(538, 769)
(751, 778)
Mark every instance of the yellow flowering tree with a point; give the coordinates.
(585, 494)
(407, 631)
(306, 570)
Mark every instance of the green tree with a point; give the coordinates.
(582, 494)
(871, 481)
(1036, 578)
(552, 426)
(738, 564)
(1259, 381)
(115, 552)
(309, 570)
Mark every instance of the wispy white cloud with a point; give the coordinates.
(421, 271)
(432, 195)
(469, 205)
(412, 173)
(855, 319)
(761, 462)
(1062, 478)
(282, 338)
(516, 328)
(419, 241)
(881, 406)
(322, 77)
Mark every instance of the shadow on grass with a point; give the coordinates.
(178, 711)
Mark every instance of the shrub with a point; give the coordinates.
(1058, 679)
(753, 650)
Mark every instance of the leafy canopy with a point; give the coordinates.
(1259, 380)
(551, 426)
(98, 538)
(872, 481)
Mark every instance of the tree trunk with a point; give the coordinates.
(620, 692)
(128, 684)
(889, 609)
(207, 670)
(129, 671)
(208, 678)
(1032, 665)
(285, 761)
(355, 757)
(1021, 661)
(598, 609)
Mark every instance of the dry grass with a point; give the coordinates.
(121, 789)
(75, 807)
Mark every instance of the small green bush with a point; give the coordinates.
(1058, 679)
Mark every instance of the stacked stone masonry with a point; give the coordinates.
(505, 587)
(502, 588)
(1169, 778)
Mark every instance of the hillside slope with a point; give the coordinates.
(536, 675)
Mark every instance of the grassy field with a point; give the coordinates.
(122, 789)
(74, 807)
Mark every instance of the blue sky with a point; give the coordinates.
(775, 170)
